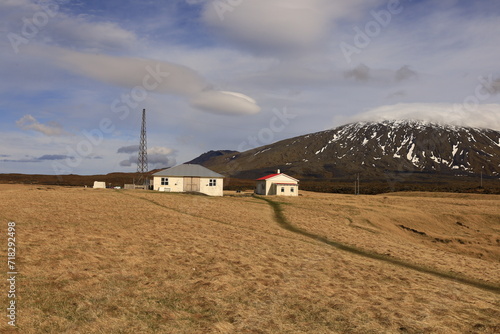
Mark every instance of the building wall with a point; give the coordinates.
(99, 185)
(216, 190)
(260, 188)
(176, 184)
(289, 190)
(270, 188)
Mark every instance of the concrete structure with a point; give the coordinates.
(277, 184)
(189, 178)
(135, 186)
(99, 185)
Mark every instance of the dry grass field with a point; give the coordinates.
(116, 261)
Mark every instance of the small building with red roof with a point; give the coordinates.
(278, 184)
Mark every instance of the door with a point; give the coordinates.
(192, 184)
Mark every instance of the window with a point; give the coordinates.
(164, 181)
(282, 189)
(212, 183)
(292, 189)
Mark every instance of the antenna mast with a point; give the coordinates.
(142, 160)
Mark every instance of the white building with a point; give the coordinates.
(189, 178)
(99, 185)
(277, 184)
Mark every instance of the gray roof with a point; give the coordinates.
(188, 170)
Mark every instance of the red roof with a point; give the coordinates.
(267, 177)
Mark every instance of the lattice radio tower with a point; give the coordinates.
(142, 160)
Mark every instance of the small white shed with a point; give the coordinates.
(277, 184)
(189, 178)
(99, 185)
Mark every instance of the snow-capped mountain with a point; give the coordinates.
(373, 148)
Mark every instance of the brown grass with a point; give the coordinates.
(451, 232)
(105, 261)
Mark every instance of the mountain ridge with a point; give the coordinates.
(374, 149)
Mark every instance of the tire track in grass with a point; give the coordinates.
(284, 223)
(226, 224)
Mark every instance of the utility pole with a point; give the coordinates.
(356, 185)
(482, 167)
(142, 160)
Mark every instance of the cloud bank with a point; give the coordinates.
(482, 116)
(154, 76)
(46, 157)
(128, 149)
(158, 157)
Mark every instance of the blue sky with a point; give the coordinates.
(230, 74)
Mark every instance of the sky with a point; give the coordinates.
(230, 74)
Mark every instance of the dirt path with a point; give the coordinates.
(283, 222)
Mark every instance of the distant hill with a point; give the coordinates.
(377, 150)
(205, 157)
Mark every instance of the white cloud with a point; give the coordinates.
(29, 21)
(280, 25)
(225, 103)
(6, 4)
(481, 116)
(160, 150)
(90, 35)
(28, 122)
